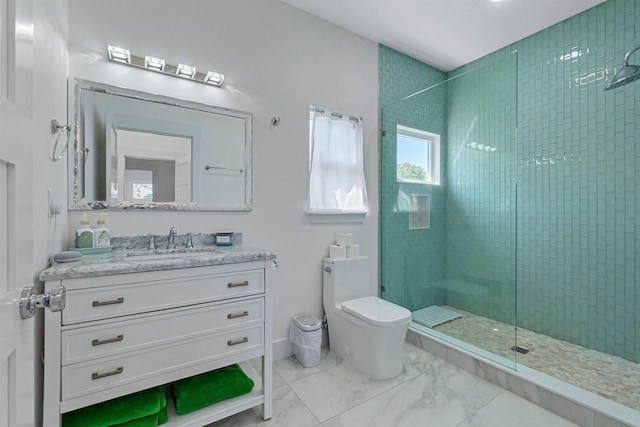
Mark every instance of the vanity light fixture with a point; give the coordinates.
(154, 63)
(214, 78)
(122, 56)
(119, 54)
(186, 71)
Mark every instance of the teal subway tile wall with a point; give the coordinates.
(481, 187)
(412, 272)
(578, 184)
(547, 222)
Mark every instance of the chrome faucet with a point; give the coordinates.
(152, 241)
(172, 236)
(189, 244)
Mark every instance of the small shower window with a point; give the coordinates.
(418, 156)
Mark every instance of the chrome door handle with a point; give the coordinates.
(55, 299)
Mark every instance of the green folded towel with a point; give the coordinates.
(118, 411)
(148, 421)
(203, 390)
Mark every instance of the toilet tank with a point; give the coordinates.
(345, 279)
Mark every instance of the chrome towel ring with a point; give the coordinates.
(58, 129)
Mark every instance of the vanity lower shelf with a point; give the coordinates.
(222, 409)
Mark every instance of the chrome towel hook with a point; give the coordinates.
(58, 129)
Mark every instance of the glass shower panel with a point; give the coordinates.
(481, 206)
(457, 274)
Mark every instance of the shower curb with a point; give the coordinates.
(568, 401)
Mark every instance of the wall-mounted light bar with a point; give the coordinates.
(123, 56)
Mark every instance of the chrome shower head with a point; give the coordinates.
(626, 74)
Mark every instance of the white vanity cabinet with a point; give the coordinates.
(122, 333)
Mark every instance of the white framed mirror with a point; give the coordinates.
(136, 150)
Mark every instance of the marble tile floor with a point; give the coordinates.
(429, 392)
(609, 376)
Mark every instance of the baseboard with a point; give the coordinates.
(281, 349)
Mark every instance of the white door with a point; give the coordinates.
(17, 359)
(183, 179)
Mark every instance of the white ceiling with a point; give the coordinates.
(444, 33)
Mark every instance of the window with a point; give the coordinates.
(336, 167)
(418, 156)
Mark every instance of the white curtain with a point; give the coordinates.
(336, 167)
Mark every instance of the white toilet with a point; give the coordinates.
(365, 330)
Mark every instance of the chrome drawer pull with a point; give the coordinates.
(96, 376)
(232, 342)
(235, 285)
(115, 301)
(234, 316)
(110, 340)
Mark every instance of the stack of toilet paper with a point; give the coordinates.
(344, 247)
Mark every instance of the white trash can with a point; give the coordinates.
(305, 334)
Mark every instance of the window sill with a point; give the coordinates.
(333, 218)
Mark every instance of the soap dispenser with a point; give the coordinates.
(101, 234)
(84, 234)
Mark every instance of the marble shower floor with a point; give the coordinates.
(429, 392)
(609, 376)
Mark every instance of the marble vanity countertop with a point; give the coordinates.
(121, 262)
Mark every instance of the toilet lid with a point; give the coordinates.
(376, 311)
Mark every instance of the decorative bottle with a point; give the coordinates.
(101, 235)
(84, 234)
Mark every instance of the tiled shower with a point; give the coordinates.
(535, 223)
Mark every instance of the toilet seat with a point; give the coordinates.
(376, 311)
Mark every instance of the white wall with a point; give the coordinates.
(50, 102)
(277, 61)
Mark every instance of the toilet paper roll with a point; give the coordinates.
(337, 252)
(353, 251)
(344, 239)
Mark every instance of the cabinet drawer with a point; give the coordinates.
(87, 343)
(85, 305)
(90, 377)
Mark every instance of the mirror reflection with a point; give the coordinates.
(147, 161)
(134, 150)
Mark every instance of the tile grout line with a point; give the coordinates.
(348, 409)
(504, 390)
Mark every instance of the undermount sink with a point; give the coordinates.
(170, 253)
